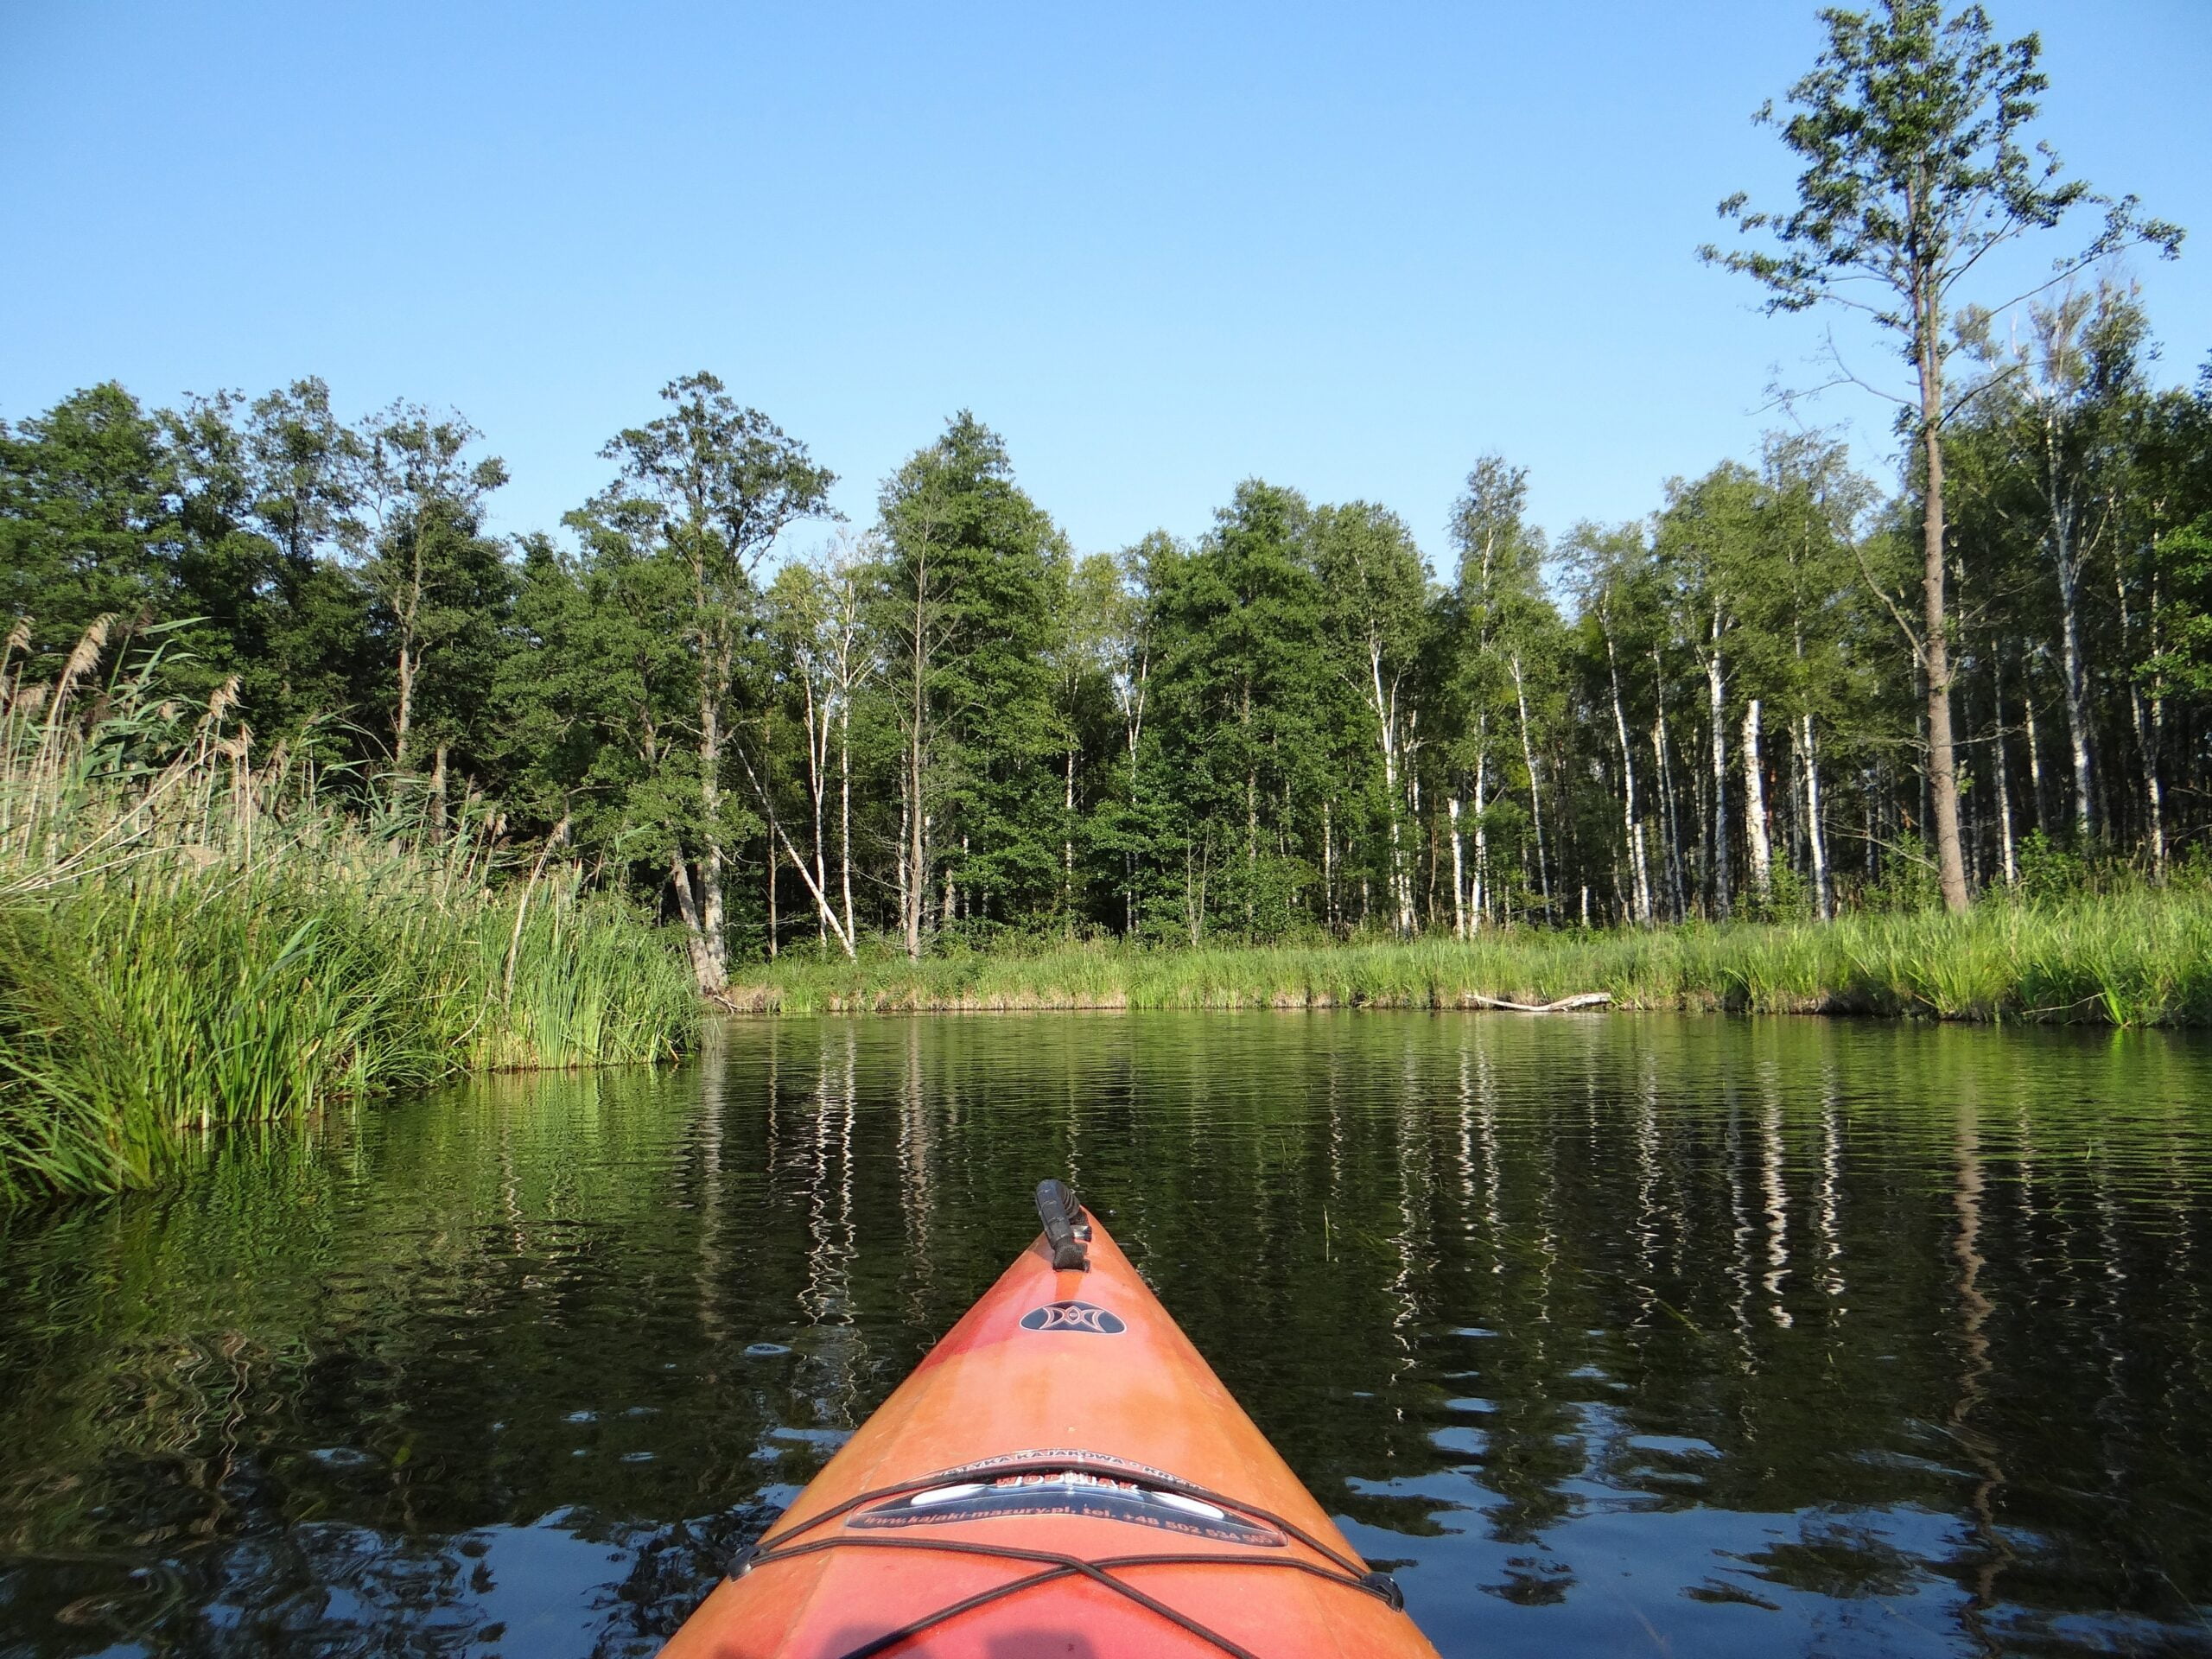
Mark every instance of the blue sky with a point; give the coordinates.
(1160, 249)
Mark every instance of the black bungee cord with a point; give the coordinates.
(1057, 1566)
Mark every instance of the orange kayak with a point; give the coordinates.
(1063, 1475)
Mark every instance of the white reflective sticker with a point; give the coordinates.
(944, 1494)
(1191, 1505)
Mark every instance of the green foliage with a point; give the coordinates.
(268, 499)
(2184, 560)
(1242, 693)
(598, 704)
(2049, 873)
(439, 589)
(189, 942)
(1904, 884)
(1912, 128)
(972, 587)
(88, 520)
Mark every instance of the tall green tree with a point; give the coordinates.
(1130, 825)
(2168, 536)
(598, 699)
(1621, 611)
(1912, 126)
(298, 467)
(300, 472)
(969, 596)
(1709, 548)
(426, 561)
(1239, 688)
(265, 505)
(1090, 650)
(89, 522)
(173, 516)
(1803, 605)
(718, 482)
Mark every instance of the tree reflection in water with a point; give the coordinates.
(1728, 1336)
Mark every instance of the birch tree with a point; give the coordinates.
(1132, 642)
(2055, 405)
(1809, 613)
(814, 656)
(1605, 565)
(1499, 612)
(1375, 588)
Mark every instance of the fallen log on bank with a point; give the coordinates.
(1564, 1005)
(767, 998)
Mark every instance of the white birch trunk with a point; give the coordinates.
(1716, 700)
(1535, 792)
(2147, 722)
(2008, 861)
(1329, 865)
(1481, 883)
(2035, 760)
(2063, 538)
(918, 879)
(1631, 825)
(1755, 830)
(1384, 705)
(1816, 838)
(845, 804)
(2075, 678)
(1459, 875)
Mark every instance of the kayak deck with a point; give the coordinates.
(1062, 1474)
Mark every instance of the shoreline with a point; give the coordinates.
(2138, 958)
(763, 1003)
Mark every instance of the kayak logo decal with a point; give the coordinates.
(1074, 1316)
(1069, 1492)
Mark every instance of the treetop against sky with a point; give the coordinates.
(1160, 249)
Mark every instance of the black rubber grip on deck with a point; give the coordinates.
(1065, 1228)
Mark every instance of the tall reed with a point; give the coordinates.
(192, 937)
(2140, 957)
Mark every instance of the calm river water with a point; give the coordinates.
(1613, 1334)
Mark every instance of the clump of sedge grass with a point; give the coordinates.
(192, 939)
(2129, 957)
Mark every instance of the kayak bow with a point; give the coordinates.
(1062, 1475)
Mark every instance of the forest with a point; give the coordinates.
(948, 727)
(288, 733)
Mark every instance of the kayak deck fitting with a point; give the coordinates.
(1062, 1474)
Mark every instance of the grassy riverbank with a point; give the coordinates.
(190, 940)
(2140, 957)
